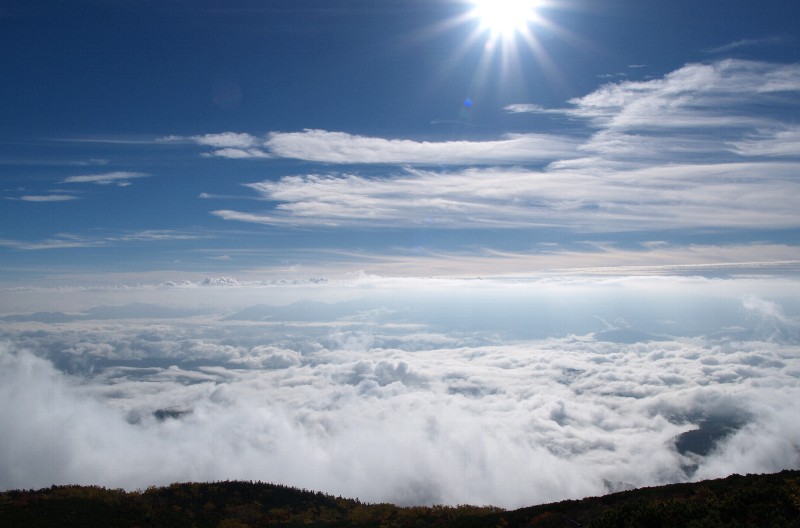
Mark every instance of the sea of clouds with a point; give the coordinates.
(509, 393)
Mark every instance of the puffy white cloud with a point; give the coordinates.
(509, 425)
(220, 281)
(423, 396)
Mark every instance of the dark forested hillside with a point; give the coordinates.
(752, 500)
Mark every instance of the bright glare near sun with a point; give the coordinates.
(506, 37)
(505, 18)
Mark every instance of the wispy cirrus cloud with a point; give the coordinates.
(340, 147)
(44, 198)
(664, 118)
(752, 195)
(238, 153)
(603, 259)
(579, 258)
(693, 149)
(156, 235)
(774, 40)
(694, 96)
(60, 241)
(67, 240)
(778, 142)
(673, 116)
(343, 148)
(119, 178)
(529, 108)
(222, 140)
(233, 145)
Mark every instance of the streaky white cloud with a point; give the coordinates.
(254, 218)
(589, 260)
(774, 40)
(238, 153)
(664, 120)
(527, 108)
(156, 235)
(650, 163)
(67, 240)
(60, 241)
(754, 195)
(668, 118)
(340, 147)
(232, 145)
(781, 142)
(234, 140)
(696, 95)
(92, 162)
(120, 178)
(46, 198)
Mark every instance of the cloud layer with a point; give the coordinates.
(409, 398)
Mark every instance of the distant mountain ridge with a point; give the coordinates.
(752, 500)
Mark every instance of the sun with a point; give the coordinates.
(505, 18)
(502, 39)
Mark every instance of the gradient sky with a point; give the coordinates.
(304, 138)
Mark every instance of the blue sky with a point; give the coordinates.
(247, 136)
(387, 250)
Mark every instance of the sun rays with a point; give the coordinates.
(505, 19)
